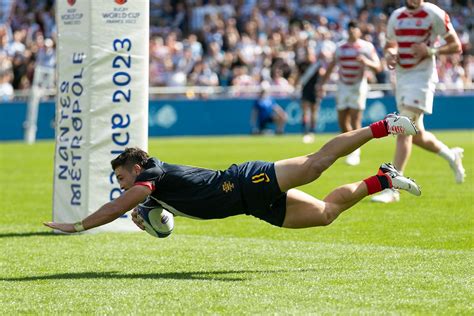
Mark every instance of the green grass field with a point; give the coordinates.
(412, 257)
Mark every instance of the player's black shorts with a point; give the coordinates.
(260, 192)
(308, 94)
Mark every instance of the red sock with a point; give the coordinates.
(377, 183)
(379, 129)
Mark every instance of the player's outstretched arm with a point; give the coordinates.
(107, 212)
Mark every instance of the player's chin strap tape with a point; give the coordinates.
(78, 226)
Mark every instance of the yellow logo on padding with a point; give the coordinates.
(227, 186)
(261, 177)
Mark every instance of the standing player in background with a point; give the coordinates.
(353, 57)
(412, 33)
(309, 101)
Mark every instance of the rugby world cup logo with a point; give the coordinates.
(120, 2)
(71, 2)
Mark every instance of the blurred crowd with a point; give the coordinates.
(230, 43)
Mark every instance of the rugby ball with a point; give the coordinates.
(158, 222)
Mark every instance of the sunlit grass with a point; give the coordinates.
(412, 257)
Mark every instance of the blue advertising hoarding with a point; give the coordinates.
(232, 116)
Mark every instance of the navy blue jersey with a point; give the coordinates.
(250, 188)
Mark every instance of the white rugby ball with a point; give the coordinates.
(158, 222)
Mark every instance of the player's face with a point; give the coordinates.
(413, 4)
(126, 177)
(354, 32)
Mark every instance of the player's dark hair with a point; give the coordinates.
(130, 157)
(352, 23)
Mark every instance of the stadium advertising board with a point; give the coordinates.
(102, 101)
(231, 117)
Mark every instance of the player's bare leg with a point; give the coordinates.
(402, 154)
(314, 109)
(344, 120)
(297, 171)
(453, 156)
(404, 142)
(356, 118)
(402, 151)
(306, 116)
(303, 210)
(301, 170)
(429, 142)
(308, 138)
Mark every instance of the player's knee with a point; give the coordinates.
(418, 138)
(328, 216)
(415, 115)
(322, 160)
(317, 164)
(404, 140)
(325, 220)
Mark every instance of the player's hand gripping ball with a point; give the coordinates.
(158, 222)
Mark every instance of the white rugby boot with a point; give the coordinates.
(400, 125)
(353, 159)
(399, 181)
(308, 138)
(386, 196)
(456, 165)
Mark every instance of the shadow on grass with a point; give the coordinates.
(199, 275)
(27, 234)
